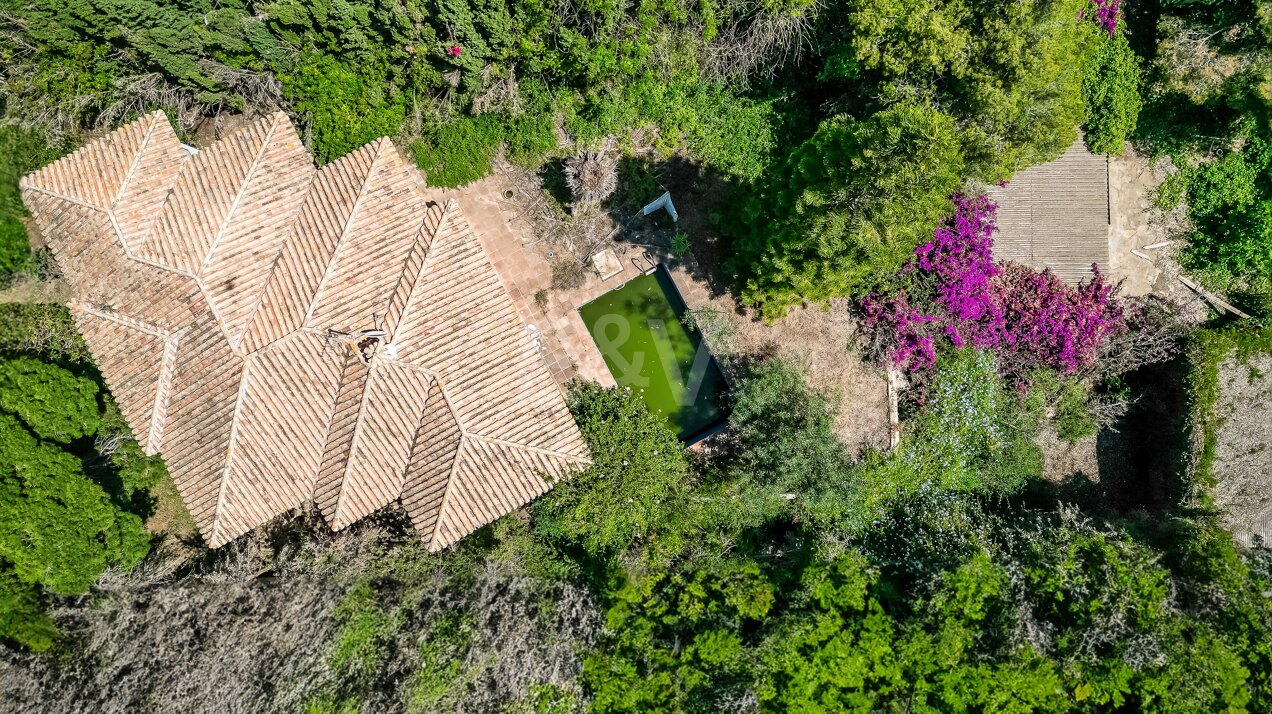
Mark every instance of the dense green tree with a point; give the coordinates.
(911, 37)
(22, 617)
(58, 529)
(1009, 72)
(1020, 102)
(860, 194)
(1208, 105)
(785, 440)
(1110, 90)
(638, 469)
(347, 107)
(677, 641)
(1229, 202)
(840, 654)
(51, 401)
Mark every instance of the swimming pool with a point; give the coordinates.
(639, 332)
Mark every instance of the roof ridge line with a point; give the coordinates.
(344, 232)
(108, 213)
(238, 195)
(443, 217)
(24, 182)
(244, 375)
(273, 268)
(346, 358)
(198, 283)
(63, 197)
(403, 364)
(159, 411)
(125, 320)
(132, 168)
(527, 447)
(415, 434)
(144, 238)
(450, 481)
(353, 443)
(128, 255)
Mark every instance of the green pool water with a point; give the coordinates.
(646, 347)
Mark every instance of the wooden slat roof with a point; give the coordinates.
(1057, 215)
(207, 284)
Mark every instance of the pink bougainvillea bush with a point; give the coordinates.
(1107, 13)
(953, 290)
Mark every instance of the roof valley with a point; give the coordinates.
(222, 359)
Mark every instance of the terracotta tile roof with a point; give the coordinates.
(1057, 215)
(227, 293)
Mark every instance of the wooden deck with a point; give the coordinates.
(1057, 215)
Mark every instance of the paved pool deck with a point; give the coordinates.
(525, 269)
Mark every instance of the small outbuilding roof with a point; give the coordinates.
(282, 333)
(1057, 215)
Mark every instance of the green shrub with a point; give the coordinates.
(346, 108)
(15, 252)
(133, 473)
(972, 436)
(46, 331)
(675, 638)
(530, 135)
(58, 529)
(680, 244)
(786, 436)
(1111, 93)
(442, 671)
(20, 152)
(51, 401)
(459, 152)
(1073, 418)
(365, 634)
(638, 467)
(22, 617)
(1230, 205)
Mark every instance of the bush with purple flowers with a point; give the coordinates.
(1107, 13)
(953, 288)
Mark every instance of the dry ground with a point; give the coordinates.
(821, 338)
(526, 234)
(1137, 224)
(1243, 458)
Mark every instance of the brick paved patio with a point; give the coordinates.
(525, 269)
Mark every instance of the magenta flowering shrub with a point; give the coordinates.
(1107, 13)
(899, 326)
(954, 289)
(1052, 324)
(959, 263)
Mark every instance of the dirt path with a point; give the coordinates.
(1142, 240)
(50, 292)
(1243, 455)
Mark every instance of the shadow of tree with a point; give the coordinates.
(1141, 460)
(552, 175)
(702, 198)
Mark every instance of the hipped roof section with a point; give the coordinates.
(223, 291)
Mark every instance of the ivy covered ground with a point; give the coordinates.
(847, 146)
